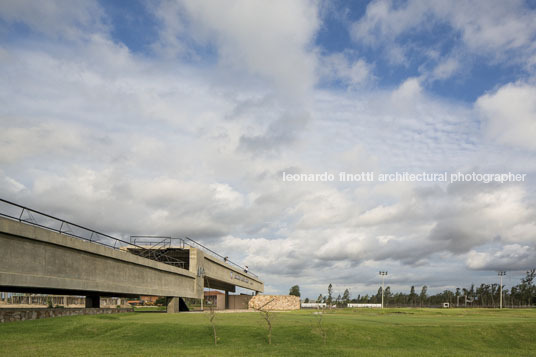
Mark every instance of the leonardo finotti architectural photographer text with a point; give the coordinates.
(405, 177)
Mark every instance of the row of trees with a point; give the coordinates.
(485, 295)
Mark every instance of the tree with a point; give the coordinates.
(378, 297)
(494, 293)
(295, 291)
(320, 298)
(412, 295)
(423, 296)
(527, 286)
(346, 296)
(387, 294)
(267, 316)
(472, 291)
(321, 328)
(212, 318)
(330, 294)
(306, 300)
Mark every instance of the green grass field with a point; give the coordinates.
(391, 332)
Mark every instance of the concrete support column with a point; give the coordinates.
(93, 301)
(226, 299)
(172, 304)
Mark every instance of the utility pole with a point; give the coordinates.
(501, 274)
(383, 274)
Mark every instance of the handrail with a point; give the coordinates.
(171, 260)
(225, 259)
(71, 234)
(193, 245)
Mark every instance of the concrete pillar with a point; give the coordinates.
(93, 301)
(226, 300)
(172, 304)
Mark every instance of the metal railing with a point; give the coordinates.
(34, 217)
(159, 242)
(225, 259)
(154, 242)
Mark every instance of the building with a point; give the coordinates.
(235, 302)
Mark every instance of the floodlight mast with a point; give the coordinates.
(501, 274)
(383, 274)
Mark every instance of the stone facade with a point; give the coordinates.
(10, 315)
(275, 302)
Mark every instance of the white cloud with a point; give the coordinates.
(132, 144)
(9, 185)
(273, 40)
(338, 67)
(383, 21)
(446, 68)
(408, 94)
(484, 25)
(510, 114)
(496, 26)
(510, 257)
(21, 141)
(497, 30)
(55, 18)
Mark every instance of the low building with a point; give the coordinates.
(313, 305)
(235, 302)
(367, 306)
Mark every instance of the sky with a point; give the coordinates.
(182, 117)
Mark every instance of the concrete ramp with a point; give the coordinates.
(35, 259)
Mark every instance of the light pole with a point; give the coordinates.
(501, 274)
(383, 274)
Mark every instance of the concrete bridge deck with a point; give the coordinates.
(35, 259)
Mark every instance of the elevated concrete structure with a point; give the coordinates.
(38, 260)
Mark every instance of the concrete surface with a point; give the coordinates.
(38, 260)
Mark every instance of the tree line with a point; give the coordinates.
(484, 295)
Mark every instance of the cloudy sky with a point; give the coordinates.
(180, 117)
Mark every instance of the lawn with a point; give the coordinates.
(391, 332)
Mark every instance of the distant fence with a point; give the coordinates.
(313, 305)
(368, 306)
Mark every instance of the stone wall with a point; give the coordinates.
(275, 302)
(9, 315)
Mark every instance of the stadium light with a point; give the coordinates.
(383, 274)
(501, 274)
